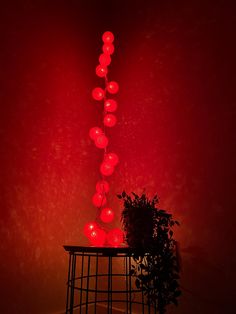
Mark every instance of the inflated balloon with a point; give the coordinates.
(115, 237)
(110, 105)
(109, 120)
(101, 70)
(107, 215)
(102, 186)
(99, 199)
(108, 48)
(106, 168)
(104, 59)
(95, 132)
(108, 37)
(97, 237)
(101, 141)
(98, 93)
(112, 158)
(112, 87)
(89, 227)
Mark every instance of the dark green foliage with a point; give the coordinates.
(149, 230)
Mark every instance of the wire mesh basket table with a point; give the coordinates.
(99, 282)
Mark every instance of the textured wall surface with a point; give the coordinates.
(175, 62)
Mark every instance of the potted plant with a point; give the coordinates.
(149, 231)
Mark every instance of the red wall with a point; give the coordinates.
(174, 62)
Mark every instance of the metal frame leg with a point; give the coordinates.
(130, 291)
(96, 285)
(68, 284)
(72, 280)
(88, 277)
(81, 283)
(126, 284)
(109, 295)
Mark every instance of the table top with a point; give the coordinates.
(97, 249)
(105, 250)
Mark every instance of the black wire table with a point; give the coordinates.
(99, 282)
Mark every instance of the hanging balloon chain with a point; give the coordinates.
(93, 230)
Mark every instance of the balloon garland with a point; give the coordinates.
(93, 230)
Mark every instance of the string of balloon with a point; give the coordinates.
(97, 231)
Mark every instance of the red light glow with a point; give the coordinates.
(112, 87)
(102, 186)
(97, 237)
(108, 48)
(112, 158)
(101, 70)
(106, 168)
(175, 135)
(98, 93)
(99, 200)
(95, 132)
(101, 141)
(104, 59)
(115, 237)
(110, 105)
(107, 215)
(89, 227)
(108, 37)
(109, 120)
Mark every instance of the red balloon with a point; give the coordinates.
(109, 120)
(89, 227)
(112, 158)
(108, 37)
(108, 48)
(98, 93)
(104, 59)
(99, 200)
(107, 215)
(97, 237)
(102, 186)
(95, 132)
(115, 237)
(101, 70)
(112, 87)
(101, 141)
(106, 168)
(110, 105)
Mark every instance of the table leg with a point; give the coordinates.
(68, 284)
(130, 292)
(96, 285)
(72, 280)
(87, 292)
(81, 283)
